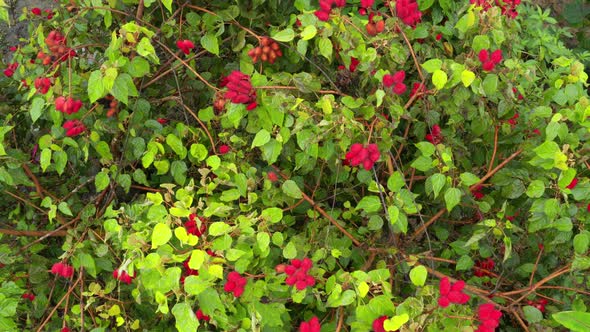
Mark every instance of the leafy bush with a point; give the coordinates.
(286, 165)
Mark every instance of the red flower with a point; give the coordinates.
(483, 268)
(397, 80)
(12, 48)
(489, 62)
(323, 14)
(74, 128)
(477, 193)
(9, 71)
(297, 274)
(49, 13)
(588, 207)
(201, 316)
(185, 45)
(451, 293)
(418, 88)
(28, 296)
(36, 11)
(572, 184)
(123, 276)
(313, 325)
(439, 36)
(435, 136)
(191, 225)
(513, 120)
(408, 12)
(42, 84)
(360, 155)
(251, 106)
(354, 62)
(367, 3)
(67, 105)
(240, 90)
(62, 269)
(489, 317)
(272, 176)
(65, 329)
(235, 284)
(223, 149)
(162, 121)
(378, 324)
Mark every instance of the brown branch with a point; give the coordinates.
(499, 167)
(66, 295)
(324, 213)
(422, 228)
(495, 149)
(32, 233)
(188, 109)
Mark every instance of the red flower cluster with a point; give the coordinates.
(56, 42)
(477, 192)
(185, 46)
(9, 71)
(408, 12)
(192, 227)
(451, 293)
(483, 268)
(358, 155)
(489, 317)
(65, 329)
(62, 269)
(240, 90)
(42, 84)
(74, 128)
(435, 136)
(201, 316)
(235, 284)
(354, 62)
(28, 296)
(323, 14)
(123, 276)
(223, 149)
(572, 184)
(508, 7)
(269, 50)
(397, 81)
(313, 325)
(367, 3)
(297, 274)
(378, 324)
(539, 304)
(67, 105)
(488, 61)
(418, 88)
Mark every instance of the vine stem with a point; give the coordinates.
(188, 109)
(495, 149)
(323, 212)
(66, 295)
(187, 65)
(31, 233)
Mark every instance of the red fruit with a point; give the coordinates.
(313, 325)
(322, 15)
(572, 184)
(201, 316)
(371, 29)
(483, 56)
(36, 11)
(439, 36)
(185, 45)
(388, 80)
(496, 56)
(162, 121)
(378, 324)
(488, 66)
(380, 26)
(399, 88)
(65, 329)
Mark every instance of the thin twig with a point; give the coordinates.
(495, 149)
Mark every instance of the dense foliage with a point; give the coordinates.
(277, 165)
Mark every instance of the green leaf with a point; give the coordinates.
(581, 242)
(146, 50)
(168, 5)
(369, 204)
(309, 32)
(176, 144)
(439, 79)
(326, 48)
(394, 323)
(574, 320)
(210, 43)
(219, 228)
(536, 189)
(467, 77)
(452, 198)
(273, 214)
(161, 235)
(186, 321)
(291, 189)
(263, 240)
(36, 110)
(138, 67)
(261, 138)
(95, 86)
(284, 36)
(480, 42)
(45, 159)
(101, 181)
(490, 84)
(468, 179)
(438, 182)
(64, 208)
(432, 65)
(418, 275)
(197, 259)
(290, 251)
(532, 314)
